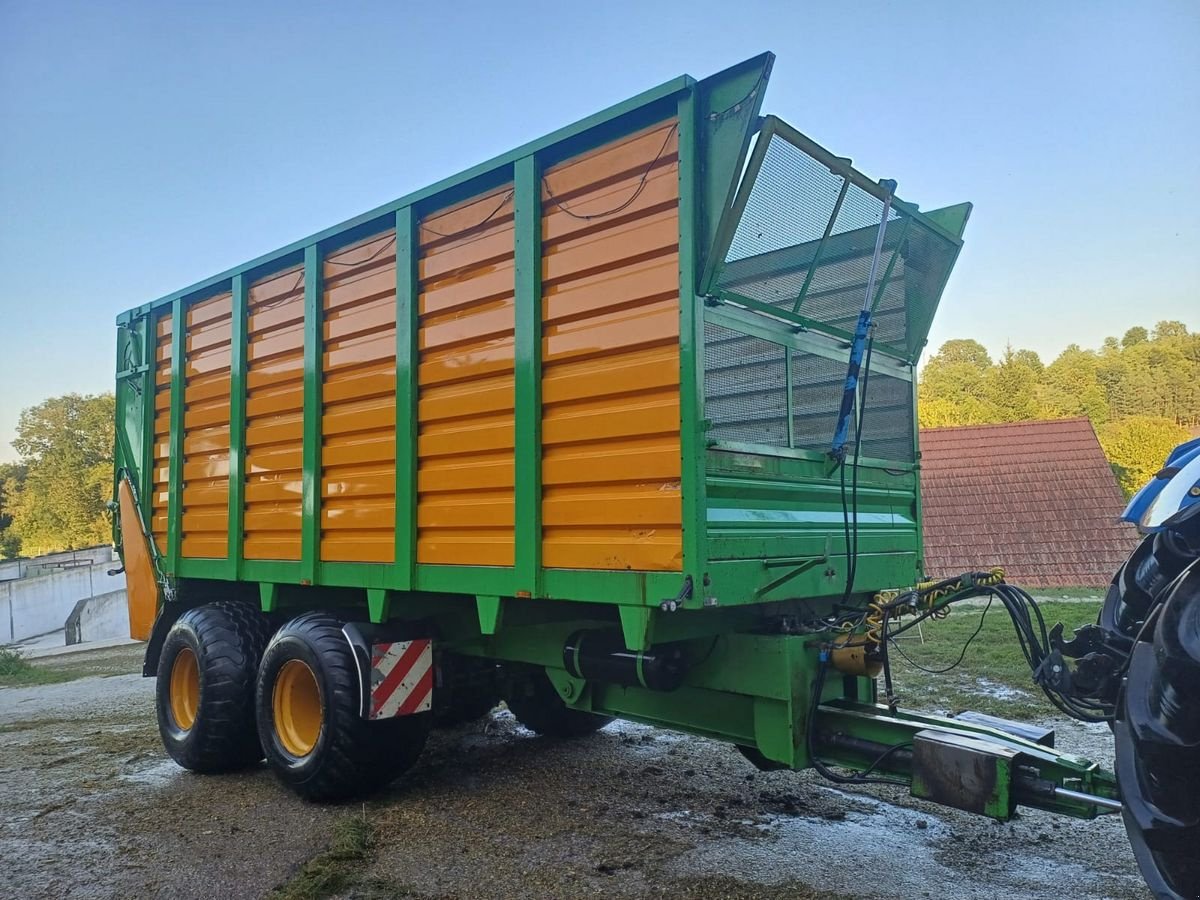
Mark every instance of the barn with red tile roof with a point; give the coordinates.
(1038, 498)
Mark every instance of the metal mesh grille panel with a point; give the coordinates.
(888, 423)
(817, 385)
(797, 249)
(746, 398)
(793, 198)
(745, 387)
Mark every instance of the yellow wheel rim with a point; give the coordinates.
(185, 689)
(296, 704)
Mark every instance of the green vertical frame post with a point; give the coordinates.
(240, 290)
(310, 522)
(407, 300)
(789, 400)
(813, 266)
(149, 393)
(527, 214)
(918, 509)
(175, 465)
(691, 356)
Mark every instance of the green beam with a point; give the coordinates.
(789, 380)
(528, 375)
(725, 107)
(777, 331)
(728, 224)
(175, 465)
(815, 264)
(407, 312)
(149, 391)
(240, 289)
(918, 508)
(691, 356)
(310, 527)
(379, 604)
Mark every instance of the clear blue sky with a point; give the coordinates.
(144, 146)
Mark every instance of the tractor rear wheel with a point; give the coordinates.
(204, 694)
(309, 715)
(537, 705)
(1157, 733)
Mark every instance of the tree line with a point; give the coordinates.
(1141, 392)
(56, 496)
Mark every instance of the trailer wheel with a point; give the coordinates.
(308, 709)
(537, 706)
(466, 690)
(204, 695)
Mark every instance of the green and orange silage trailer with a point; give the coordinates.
(559, 431)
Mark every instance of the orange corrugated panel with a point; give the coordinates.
(207, 360)
(610, 357)
(274, 416)
(465, 409)
(358, 422)
(160, 479)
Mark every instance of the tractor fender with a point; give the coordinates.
(1173, 490)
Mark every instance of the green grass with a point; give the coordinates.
(337, 868)
(992, 668)
(16, 670)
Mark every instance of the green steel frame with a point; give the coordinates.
(745, 686)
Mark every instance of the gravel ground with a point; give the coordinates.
(91, 808)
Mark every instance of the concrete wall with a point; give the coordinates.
(99, 618)
(13, 569)
(34, 606)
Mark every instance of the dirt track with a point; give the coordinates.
(90, 807)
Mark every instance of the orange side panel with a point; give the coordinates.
(160, 479)
(141, 587)
(465, 376)
(358, 421)
(610, 357)
(274, 416)
(207, 370)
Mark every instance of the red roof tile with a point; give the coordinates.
(1038, 498)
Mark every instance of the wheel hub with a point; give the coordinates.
(296, 704)
(185, 689)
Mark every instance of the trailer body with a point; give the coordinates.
(510, 384)
(567, 413)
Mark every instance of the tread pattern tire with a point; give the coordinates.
(1157, 733)
(227, 638)
(537, 706)
(467, 690)
(352, 755)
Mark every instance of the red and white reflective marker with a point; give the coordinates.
(401, 678)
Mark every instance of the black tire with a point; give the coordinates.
(348, 755)
(467, 690)
(1157, 734)
(211, 654)
(537, 706)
